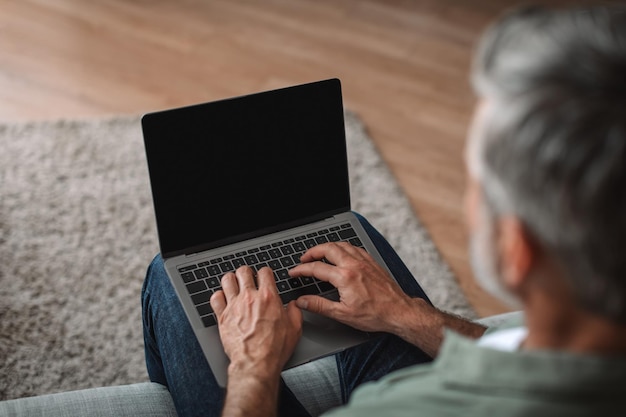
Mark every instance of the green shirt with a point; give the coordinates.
(468, 380)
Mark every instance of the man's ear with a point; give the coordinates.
(517, 252)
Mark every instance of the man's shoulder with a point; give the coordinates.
(473, 380)
(420, 389)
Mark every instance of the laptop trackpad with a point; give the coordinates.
(322, 336)
(320, 329)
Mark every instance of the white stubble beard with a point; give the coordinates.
(485, 261)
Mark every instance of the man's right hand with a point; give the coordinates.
(369, 299)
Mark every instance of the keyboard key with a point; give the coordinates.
(294, 294)
(266, 247)
(253, 250)
(286, 261)
(334, 228)
(333, 237)
(299, 247)
(283, 274)
(187, 268)
(251, 260)
(229, 257)
(195, 287)
(321, 239)
(204, 309)
(261, 265)
(216, 261)
(325, 286)
(274, 264)
(295, 282)
(213, 282)
(300, 238)
(355, 241)
(345, 226)
(282, 286)
(275, 253)
(296, 258)
(227, 267)
(307, 280)
(201, 273)
(214, 270)
(311, 234)
(240, 254)
(209, 321)
(323, 231)
(287, 241)
(287, 250)
(347, 233)
(188, 277)
(263, 256)
(309, 243)
(201, 297)
(277, 244)
(205, 263)
(237, 262)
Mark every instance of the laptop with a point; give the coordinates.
(253, 180)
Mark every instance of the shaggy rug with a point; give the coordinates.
(77, 232)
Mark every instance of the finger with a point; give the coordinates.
(355, 251)
(351, 249)
(245, 278)
(265, 277)
(317, 304)
(316, 253)
(295, 314)
(335, 253)
(318, 270)
(218, 302)
(230, 286)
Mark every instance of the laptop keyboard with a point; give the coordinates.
(203, 279)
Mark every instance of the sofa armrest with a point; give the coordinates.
(135, 400)
(493, 321)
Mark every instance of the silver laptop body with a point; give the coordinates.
(253, 180)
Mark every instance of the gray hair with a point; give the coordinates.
(553, 148)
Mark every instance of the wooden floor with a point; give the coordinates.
(404, 67)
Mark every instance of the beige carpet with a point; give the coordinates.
(77, 232)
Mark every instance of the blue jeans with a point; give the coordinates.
(174, 357)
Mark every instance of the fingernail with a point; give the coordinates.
(302, 303)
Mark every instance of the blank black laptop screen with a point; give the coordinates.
(239, 168)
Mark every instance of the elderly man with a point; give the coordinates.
(546, 208)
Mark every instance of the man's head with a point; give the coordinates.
(548, 147)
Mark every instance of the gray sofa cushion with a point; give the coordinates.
(136, 400)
